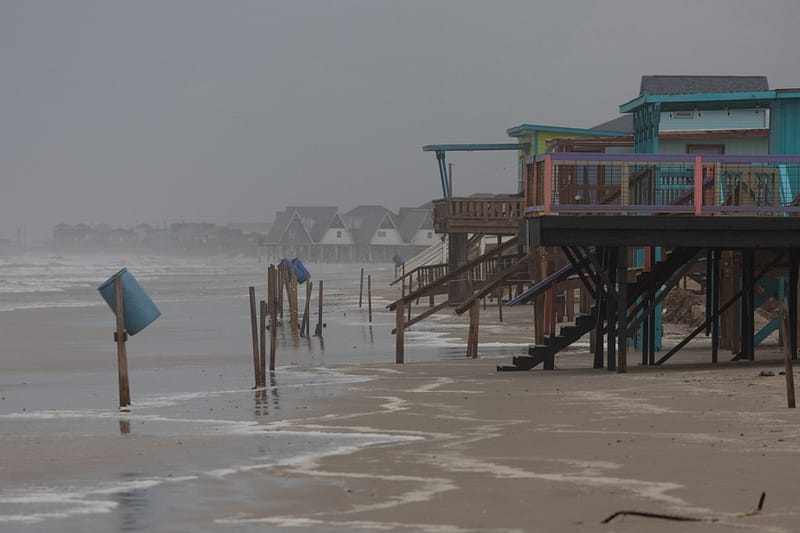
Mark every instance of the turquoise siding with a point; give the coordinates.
(743, 146)
(700, 120)
(784, 125)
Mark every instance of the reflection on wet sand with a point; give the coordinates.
(124, 426)
(267, 397)
(135, 507)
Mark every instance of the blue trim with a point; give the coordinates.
(471, 147)
(746, 98)
(522, 129)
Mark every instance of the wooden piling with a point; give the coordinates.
(254, 332)
(274, 291)
(361, 287)
(318, 329)
(399, 342)
(262, 374)
(472, 338)
(293, 305)
(787, 355)
(121, 337)
(369, 297)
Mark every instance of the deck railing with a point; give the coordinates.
(582, 183)
(473, 213)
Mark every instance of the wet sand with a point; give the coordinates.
(426, 446)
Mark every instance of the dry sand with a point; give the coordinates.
(553, 451)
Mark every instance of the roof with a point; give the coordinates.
(622, 124)
(364, 220)
(315, 219)
(527, 129)
(411, 220)
(702, 84)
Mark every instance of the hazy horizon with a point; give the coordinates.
(165, 111)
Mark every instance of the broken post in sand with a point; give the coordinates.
(262, 331)
(273, 291)
(121, 336)
(318, 329)
(369, 297)
(361, 288)
(254, 332)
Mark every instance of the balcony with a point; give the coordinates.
(495, 215)
(690, 185)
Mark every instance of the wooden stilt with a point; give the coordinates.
(306, 310)
(369, 297)
(611, 272)
(622, 309)
(293, 304)
(601, 306)
(262, 332)
(361, 286)
(399, 347)
(273, 319)
(794, 264)
(714, 282)
(318, 329)
(787, 355)
(254, 331)
(121, 337)
(474, 323)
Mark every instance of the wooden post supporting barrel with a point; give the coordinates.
(121, 337)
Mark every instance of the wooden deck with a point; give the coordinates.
(496, 215)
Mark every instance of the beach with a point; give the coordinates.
(343, 439)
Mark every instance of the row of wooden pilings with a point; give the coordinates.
(280, 280)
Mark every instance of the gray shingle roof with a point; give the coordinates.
(622, 124)
(315, 220)
(364, 220)
(702, 84)
(411, 221)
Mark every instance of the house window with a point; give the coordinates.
(291, 234)
(430, 235)
(339, 234)
(381, 234)
(710, 149)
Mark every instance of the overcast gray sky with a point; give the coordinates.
(161, 111)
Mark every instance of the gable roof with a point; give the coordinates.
(701, 84)
(315, 220)
(364, 220)
(411, 220)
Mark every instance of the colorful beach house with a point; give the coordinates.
(714, 179)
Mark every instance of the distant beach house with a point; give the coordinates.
(366, 233)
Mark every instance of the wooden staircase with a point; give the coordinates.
(568, 334)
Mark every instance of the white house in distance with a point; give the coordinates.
(366, 233)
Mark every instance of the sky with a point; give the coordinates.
(162, 111)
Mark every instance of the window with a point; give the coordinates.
(710, 149)
(381, 234)
(339, 234)
(430, 235)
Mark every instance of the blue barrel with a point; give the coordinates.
(300, 270)
(138, 308)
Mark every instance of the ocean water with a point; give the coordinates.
(191, 381)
